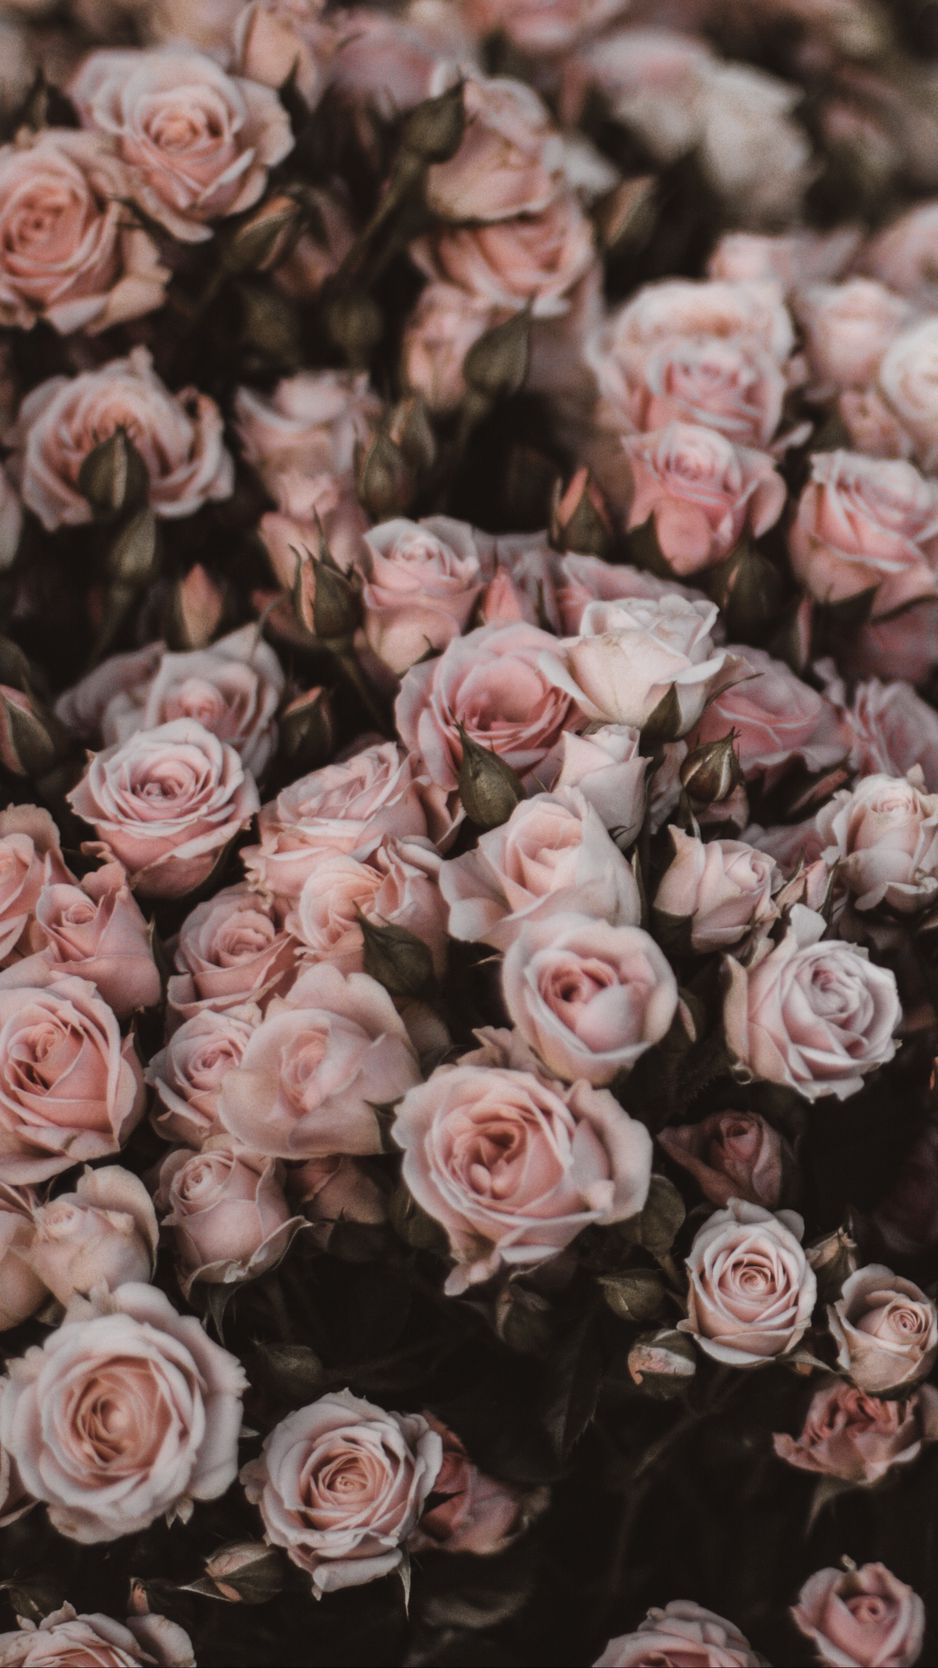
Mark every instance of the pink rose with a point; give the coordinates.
(180, 438)
(890, 729)
(277, 41)
(881, 841)
(731, 1155)
(585, 579)
(189, 1071)
(30, 859)
(102, 1234)
(885, 1329)
(722, 890)
(441, 329)
(82, 707)
(96, 930)
(226, 1212)
(861, 1618)
(320, 1063)
(531, 261)
(21, 1290)
(905, 254)
(904, 646)
(66, 1637)
(553, 852)
(814, 1016)
(469, 1511)
(701, 491)
(335, 1190)
(395, 885)
(313, 422)
(385, 61)
(312, 510)
(198, 143)
(652, 79)
(906, 383)
(513, 1166)
(872, 427)
(174, 1400)
(588, 996)
(793, 258)
(510, 160)
(166, 803)
(70, 1085)
(775, 717)
(548, 26)
(423, 581)
(751, 1289)
(341, 1486)
(71, 254)
(847, 328)
(863, 524)
(683, 1632)
(857, 1438)
(606, 767)
(229, 951)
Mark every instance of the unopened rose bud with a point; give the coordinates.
(488, 787)
(750, 595)
(833, 1258)
(114, 477)
(264, 238)
(522, 1320)
(195, 611)
(293, 1370)
(355, 323)
(497, 364)
(662, 1217)
(133, 557)
(793, 642)
(410, 429)
(397, 959)
(625, 217)
(271, 329)
(434, 129)
(664, 724)
(711, 772)
(307, 730)
(337, 604)
(662, 1363)
(31, 739)
(385, 484)
(413, 1225)
(579, 518)
(247, 1572)
(637, 1295)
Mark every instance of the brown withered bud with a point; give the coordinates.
(114, 477)
(637, 1295)
(307, 730)
(264, 237)
(355, 323)
(488, 787)
(579, 517)
(497, 364)
(399, 960)
(132, 559)
(711, 772)
(750, 595)
(247, 1572)
(433, 130)
(385, 484)
(31, 738)
(662, 1363)
(196, 606)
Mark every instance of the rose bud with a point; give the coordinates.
(683, 1632)
(333, 1190)
(113, 476)
(247, 1572)
(720, 892)
(336, 601)
(858, 1438)
(102, 1234)
(434, 128)
(143, 1641)
(861, 1618)
(710, 772)
(833, 1258)
(885, 1328)
(468, 1511)
(496, 365)
(307, 730)
(31, 739)
(637, 1296)
(263, 238)
(196, 611)
(732, 1155)
(662, 1363)
(97, 931)
(443, 326)
(579, 517)
(21, 1290)
(227, 1213)
(488, 787)
(385, 482)
(751, 1289)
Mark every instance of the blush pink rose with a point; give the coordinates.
(71, 1088)
(30, 859)
(702, 493)
(589, 997)
(226, 1213)
(683, 1632)
(542, 26)
(395, 885)
(722, 890)
(857, 1438)
(606, 767)
(581, 580)
(82, 707)
(889, 729)
(65, 1637)
(793, 258)
(905, 255)
(279, 41)
(166, 803)
(731, 1155)
(881, 841)
(230, 950)
(341, 1486)
(885, 1329)
(317, 1067)
(189, 1071)
(198, 143)
(847, 328)
(423, 578)
(866, 524)
(861, 1618)
(21, 1290)
(752, 150)
(97, 931)
(311, 510)
(513, 1166)
(385, 61)
(314, 422)
(903, 646)
(469, 1512)
(906, 383)
(441, 329)
(775, 717)
(732, 386)
(180, 438)
(751, 1289)
(104, 1233)
(174, 1400)
(510, 160)
(533, 261)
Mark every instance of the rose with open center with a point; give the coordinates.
(684, 1635)
(881, 841)
(861, 1618)
(858, 1438)
(866, 524)
(66, 1639)
(395, 885)
(751, 1288)
(885, 1328)
(230, 951)
(534, 261)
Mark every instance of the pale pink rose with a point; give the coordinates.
(71, 253)
(861, 1618)
(588, 996)
(396, 885)
(536, 26)
(606, 767)
(514, 1166)
(312, 510)
(226, 1213)
(71, 1088)
(96, 930)
(890, 729)
(722, 890)
(847, 328)
(793, 258)
(751, 1289)
(881, 841)
(525, 572)
(21, 1290)
(492, 683)
(198, 142)
(65, 1637)
(904, 646)
(701, 491)
(104, 1233)
(814, 1016)
(333, 1190)
(636, 655)
(387, 62)
(776, 717)
(790, 846)
(179, 437)
(731, 1155)
(229, 951)
(531, 261)
(885, 1329)
(905, 255)
(580, 580)
(350, 806)
(510, 160)
(30, 859)
(683, 1632)
(652, 79)
(317, 1067)
(469, 1511)
(872, 426)
(731, 385)
(279, 41)
(552, 853)
(857, 1438)
(82, 707)
(684, 307)
(441, 329)
(751, 149)
(174, 1400)
(166, 803)
(907, 382)
(423, 578)
(189, 1071)
(866, 524)
(14, 1501)
(313, 422)
(341, 1486)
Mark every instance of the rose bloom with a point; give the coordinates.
(21, 1290)
(313, 1073)
(683, 1632)
(314, 422)
(30, 859)
(775, 717)
(701, 492)
(278, 41)
(881, 841)
(514, 1166)
(198, 142)
(341, 1486)
(885, 1329)
(65, 1637)
(752, 151)
(469, 1512)
(312, 510)
(722, 890)
(814, 1016)
(857, 1438)
(904, 255)
(180, 438)
(533, 261)
(588, 996)
(96, 930)
(731, 1155)
(541, 26)
(226, 1212)
(751, 1289)
(189, 1071)
(104, 1233)
(387, 62)
(166, 803)
(71, 1089)
(69, 251)
(510, 160)
(861, 1618)
(903, 646)
(866, 523)
(396, 885)
(552, 852)
(907, 378)
(607, 768)
(793, 258)
(652, 79)
(230, 950)
(125, 1413)
(890, 729)
(423, 581)
(847, 328)
(82, 707)
(441, 329)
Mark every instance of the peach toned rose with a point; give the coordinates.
(683, 1632)
(858, 1438)
(21, 1290)
(423, 578)
(775, 717)
(847, 328)
(66, 1637)
(30, 859)
(510, 160)
(441, 329)
(313, 422)
(531, 261)
(731, 1155)
(226, 1212)
(885, 1329)
(102, 1234)
(863, 524)
(722, 890)
(96, 930)
(469, 1512)
(881, 841)
(752, 1291)
(701, 491)
(189, 1071)
(279, 41)
(395, 885)
(861, 1618)
(229, 951)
